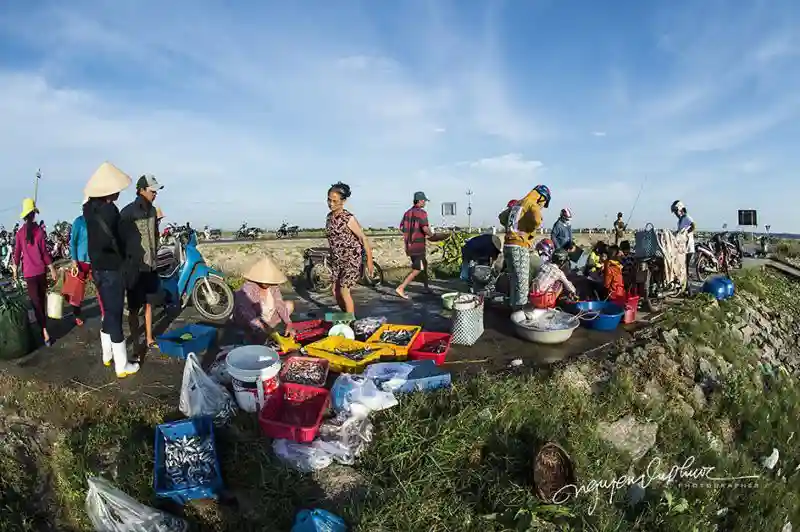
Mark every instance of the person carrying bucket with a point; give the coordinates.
(259, 306)
(108, 261)
(30, 248)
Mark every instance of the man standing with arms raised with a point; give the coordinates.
(416, 230)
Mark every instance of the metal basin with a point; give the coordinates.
(531, 325)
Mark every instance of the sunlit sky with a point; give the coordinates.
(249, 111)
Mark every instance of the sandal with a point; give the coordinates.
(153, 346)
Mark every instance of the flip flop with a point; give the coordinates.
(404, 296)
(153, 346)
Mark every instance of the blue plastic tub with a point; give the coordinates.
(609, 317)
(718, 288)
(425, 376)
(199, 426)
(203, 336)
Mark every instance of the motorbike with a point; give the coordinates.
(211, 234)
(184, 276)
(651, 282)
(319, 274)
(248, 233)
(168, 234)
(722, 253)
(285, 231)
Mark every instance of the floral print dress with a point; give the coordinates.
(347, 253)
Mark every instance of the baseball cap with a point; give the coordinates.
(420, 196)
(148, 181)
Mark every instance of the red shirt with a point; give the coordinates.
(414, 220)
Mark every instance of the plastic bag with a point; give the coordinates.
(345, 437)
(304, 457)
(348, 390)
(111, 510)
(318, 521)
(15, 332)
(389, 376)
(201, 396)
(219, 368)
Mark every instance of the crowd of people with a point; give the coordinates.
(118, 250)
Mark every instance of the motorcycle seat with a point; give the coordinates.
(318, 251)
(166, 262)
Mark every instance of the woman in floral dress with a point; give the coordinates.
(348, 244)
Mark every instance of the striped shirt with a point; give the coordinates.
(414, 221)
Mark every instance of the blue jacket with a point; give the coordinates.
(562, 233)
(79, 241)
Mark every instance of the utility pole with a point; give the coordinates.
(36, 185)
(469, 210)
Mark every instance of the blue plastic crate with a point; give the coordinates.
(199, 426)
(425, 376)
(169, 343)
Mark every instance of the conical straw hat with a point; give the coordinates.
(266, 272)
(107, 180)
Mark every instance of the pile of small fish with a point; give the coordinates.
(397, 337)
(273, 344)
(355, 355)
(551, 321)
(438, 346)
(189, 462)
(366, 327)
(308, 371)
(227, 412)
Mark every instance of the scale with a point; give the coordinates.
(341, 324)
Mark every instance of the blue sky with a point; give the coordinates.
(251, 112)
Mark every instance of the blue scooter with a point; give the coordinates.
(185, 276)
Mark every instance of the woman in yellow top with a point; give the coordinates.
(524, 218)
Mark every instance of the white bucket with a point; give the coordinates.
(55, 306)
(254, 371)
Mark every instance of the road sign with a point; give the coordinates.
(449, 209)
(748, 218)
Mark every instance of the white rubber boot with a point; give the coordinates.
(121, 364)
(105, 341)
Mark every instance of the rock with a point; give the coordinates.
(629, 436)
(747, 333)
(573, 378)
(726, 431)
(706, 371)
(714, 442)
(771, 461)
(699, 397)
(653, 391)
(635, 495)
(684, 409)
(687, 364)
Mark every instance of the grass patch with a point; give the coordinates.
(459, 459)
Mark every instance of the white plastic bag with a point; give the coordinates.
(201, 396)
(111, 510)
(345, 437)
(302, 456)
(390, 376)
(348, 390)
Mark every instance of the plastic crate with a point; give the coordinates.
(289, 362)
(171, 344)
(284, 344)
(425, 338)
(199, 426)
(398, 352)
(311, 331)
(340, 364)
(425, 377)
(294, 412)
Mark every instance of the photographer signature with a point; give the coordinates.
(654, 473)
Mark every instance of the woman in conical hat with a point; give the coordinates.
(107, 257)
(258, 305)
(30, 249)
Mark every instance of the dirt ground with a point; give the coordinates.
(74, 360)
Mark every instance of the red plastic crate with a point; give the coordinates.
(311, 331)
(294, 412)
(424, 338)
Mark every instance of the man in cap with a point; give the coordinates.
(416, 230)
(139, 231)
(481, 249)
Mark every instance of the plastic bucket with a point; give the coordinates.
(55, 306)
(254, 373)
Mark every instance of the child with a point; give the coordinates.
(613, 281)
(627, 264)
(594, 263)
(551, 277)
(258, 304)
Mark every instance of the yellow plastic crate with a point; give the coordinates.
(398, 352)
(326, 348)
(286, 344)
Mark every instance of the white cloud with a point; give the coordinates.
(513, 163)
(599, 133)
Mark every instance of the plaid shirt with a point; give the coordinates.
(548, 277)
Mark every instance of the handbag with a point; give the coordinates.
(74, 288)
(467, 326)
(646, 243)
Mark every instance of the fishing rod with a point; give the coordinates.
(636, 202)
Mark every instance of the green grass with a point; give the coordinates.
(459, 459)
